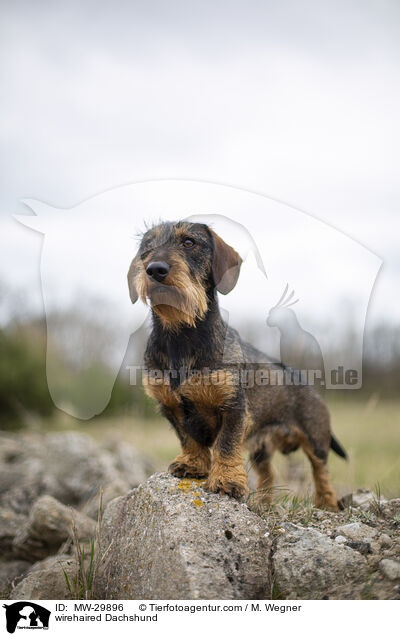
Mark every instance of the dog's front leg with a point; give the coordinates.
(194, 460)
(227, 474)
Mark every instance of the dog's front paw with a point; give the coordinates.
(226, 488)
(233, 484)
(179, 469)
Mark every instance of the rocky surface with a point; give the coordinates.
(166, 538)
(11, 571)
(10, 523)
(307, 562)
(391, 569)
(191, 557)
(47, 527)
(169, 539)
(369, 526)
(46, 482)
(46, 580)
(68, 466)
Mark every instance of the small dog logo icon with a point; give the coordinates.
(26, 615)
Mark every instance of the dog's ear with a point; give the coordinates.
(226, 265)
(131, 279)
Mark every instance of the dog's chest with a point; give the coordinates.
(208, 391)
(194, 408)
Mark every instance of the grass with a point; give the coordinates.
(80, 586)
(284, 507)
(369, 431)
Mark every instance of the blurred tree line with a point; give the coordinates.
(23, 384)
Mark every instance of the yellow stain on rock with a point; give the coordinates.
(191, 487)
(190, 483)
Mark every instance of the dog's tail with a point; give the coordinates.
(337, 448)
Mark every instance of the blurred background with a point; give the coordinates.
(297, 101)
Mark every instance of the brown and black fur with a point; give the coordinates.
(213, 415)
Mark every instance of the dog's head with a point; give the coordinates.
(178, 268)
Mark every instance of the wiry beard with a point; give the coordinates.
(180, 303)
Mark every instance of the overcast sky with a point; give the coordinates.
(296, 100)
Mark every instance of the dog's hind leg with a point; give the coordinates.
(315, 439)
(324, 494)
(261, 452)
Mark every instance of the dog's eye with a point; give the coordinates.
(188, 243)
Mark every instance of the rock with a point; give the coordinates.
(169, 539)
(361, 546)
(21, 469)
(390, 568)
(46, 580)
(50, 562)
(76, 467)
(385, 541)
(359, 537)
(133, 467)
(114, 489)
(69, 466)
(48, 526)
(357, 532)
(340, 539)
(10, 570)
(10, 448)
(362, 498)
(391, 508)
(308, 564)
(10, 524)
(25, 486)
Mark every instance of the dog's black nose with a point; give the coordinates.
(158, 271)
